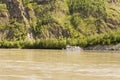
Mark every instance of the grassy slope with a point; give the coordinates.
(62, 22)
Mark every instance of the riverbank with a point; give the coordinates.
(56, 44)
(103, 47)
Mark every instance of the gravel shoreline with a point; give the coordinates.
(103, 47)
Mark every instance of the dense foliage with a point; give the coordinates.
(57, 23)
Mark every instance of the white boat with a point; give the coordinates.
(73, 48)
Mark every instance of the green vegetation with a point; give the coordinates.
(88, 7)
(102, 39)
(53, 24)
(2, 7)
(16, 31)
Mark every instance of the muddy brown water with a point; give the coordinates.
(16, 64)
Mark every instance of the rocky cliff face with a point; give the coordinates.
(53, 19)
(17, 13)
(16, 10)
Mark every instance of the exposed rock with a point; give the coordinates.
(18, 13)
(103, 47)
(113, 1)
(43, 1)
(16, 9)
(42, 12)
(4, 18)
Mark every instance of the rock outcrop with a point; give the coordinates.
(58, 18)
(16, 10)
(17, 13)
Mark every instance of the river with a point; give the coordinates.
(17, 64)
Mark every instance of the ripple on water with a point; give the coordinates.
(40, 70)
(67, 66)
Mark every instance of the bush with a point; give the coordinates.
(3, 7)
(52, 43)
(87, 7)
(16, 31)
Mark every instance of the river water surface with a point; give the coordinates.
(18, 64)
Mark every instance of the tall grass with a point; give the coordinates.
(102, 39)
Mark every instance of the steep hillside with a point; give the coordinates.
(73, 22)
